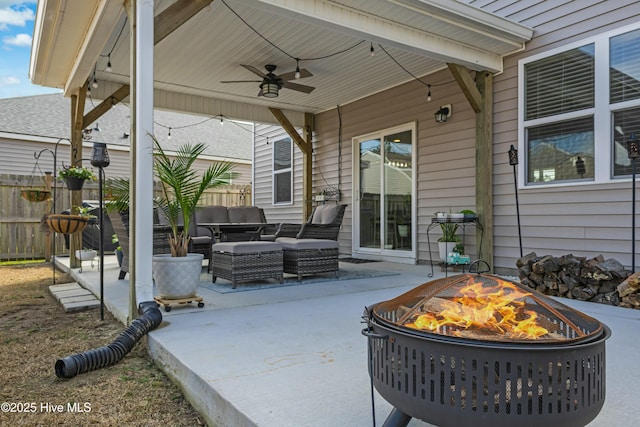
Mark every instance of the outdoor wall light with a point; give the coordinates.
(443, 113)
(269, 89)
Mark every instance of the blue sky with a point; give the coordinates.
(16, 31)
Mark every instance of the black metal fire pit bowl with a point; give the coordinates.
(451, 381)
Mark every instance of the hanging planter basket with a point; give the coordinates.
(74, 183)
(67, 224)
(34, 195)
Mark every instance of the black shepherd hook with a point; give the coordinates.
(513, 161)
(54, 153)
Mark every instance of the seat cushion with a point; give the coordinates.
(247, 214)
(212, 213)
(291, 243)
(201, 240)
(324, 214)
(246, 247)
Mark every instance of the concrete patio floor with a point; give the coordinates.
(295, 355)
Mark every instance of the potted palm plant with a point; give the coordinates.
(180, 190)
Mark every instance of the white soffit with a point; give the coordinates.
(71, 37)
(445, 30)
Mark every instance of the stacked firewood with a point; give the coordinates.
(597, 279)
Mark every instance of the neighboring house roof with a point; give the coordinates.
(49, 116)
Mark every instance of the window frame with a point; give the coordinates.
(275, 172)
(602, 113)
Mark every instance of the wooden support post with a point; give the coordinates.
(304, 144)
(484, 164)
(479, 94)
(307, 158)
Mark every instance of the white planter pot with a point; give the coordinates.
(177, 277)
(86, 254)
(403, 230)
(445, 248)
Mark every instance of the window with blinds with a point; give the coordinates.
(626, 125)
(282, 172)
(580, 108)
(561, 151)
(559, 84)
(624, 67)
(624, 86)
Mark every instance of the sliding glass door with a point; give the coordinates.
(384, 202)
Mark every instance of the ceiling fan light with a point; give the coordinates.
(269, 89)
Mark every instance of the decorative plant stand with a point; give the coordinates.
(86, 255)
(33, 195)
(67, 224)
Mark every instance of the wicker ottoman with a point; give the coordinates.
(243, 261)
(309, 256)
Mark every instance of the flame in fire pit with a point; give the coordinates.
(479, 309)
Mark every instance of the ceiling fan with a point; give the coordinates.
(271, 83)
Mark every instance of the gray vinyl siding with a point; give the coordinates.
(18, 159)
(445, 152)
(263, 178)
(585, 220)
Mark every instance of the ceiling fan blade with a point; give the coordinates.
(292, 75)
(298, 87)
(254, 70)
(240, 81)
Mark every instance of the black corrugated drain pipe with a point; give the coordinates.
(79, 363)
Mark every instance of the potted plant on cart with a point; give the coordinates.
(177, 274)
(75, 176)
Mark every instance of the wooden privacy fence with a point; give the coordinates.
(23, 238)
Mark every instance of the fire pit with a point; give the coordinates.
(478, 350)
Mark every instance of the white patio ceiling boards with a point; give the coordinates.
(71, 37)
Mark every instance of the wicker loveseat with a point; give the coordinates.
(201, 237)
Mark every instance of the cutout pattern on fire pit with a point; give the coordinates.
(456, 379)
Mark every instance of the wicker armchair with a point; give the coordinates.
(323, 223)
(120, 223)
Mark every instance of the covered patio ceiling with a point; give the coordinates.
(74, 40)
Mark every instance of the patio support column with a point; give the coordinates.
(479, 94)
(305, 145)
(77, 109)
(141, 207)
(484, 163)
(307, 158)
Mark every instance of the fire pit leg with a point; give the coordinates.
(397, 418)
